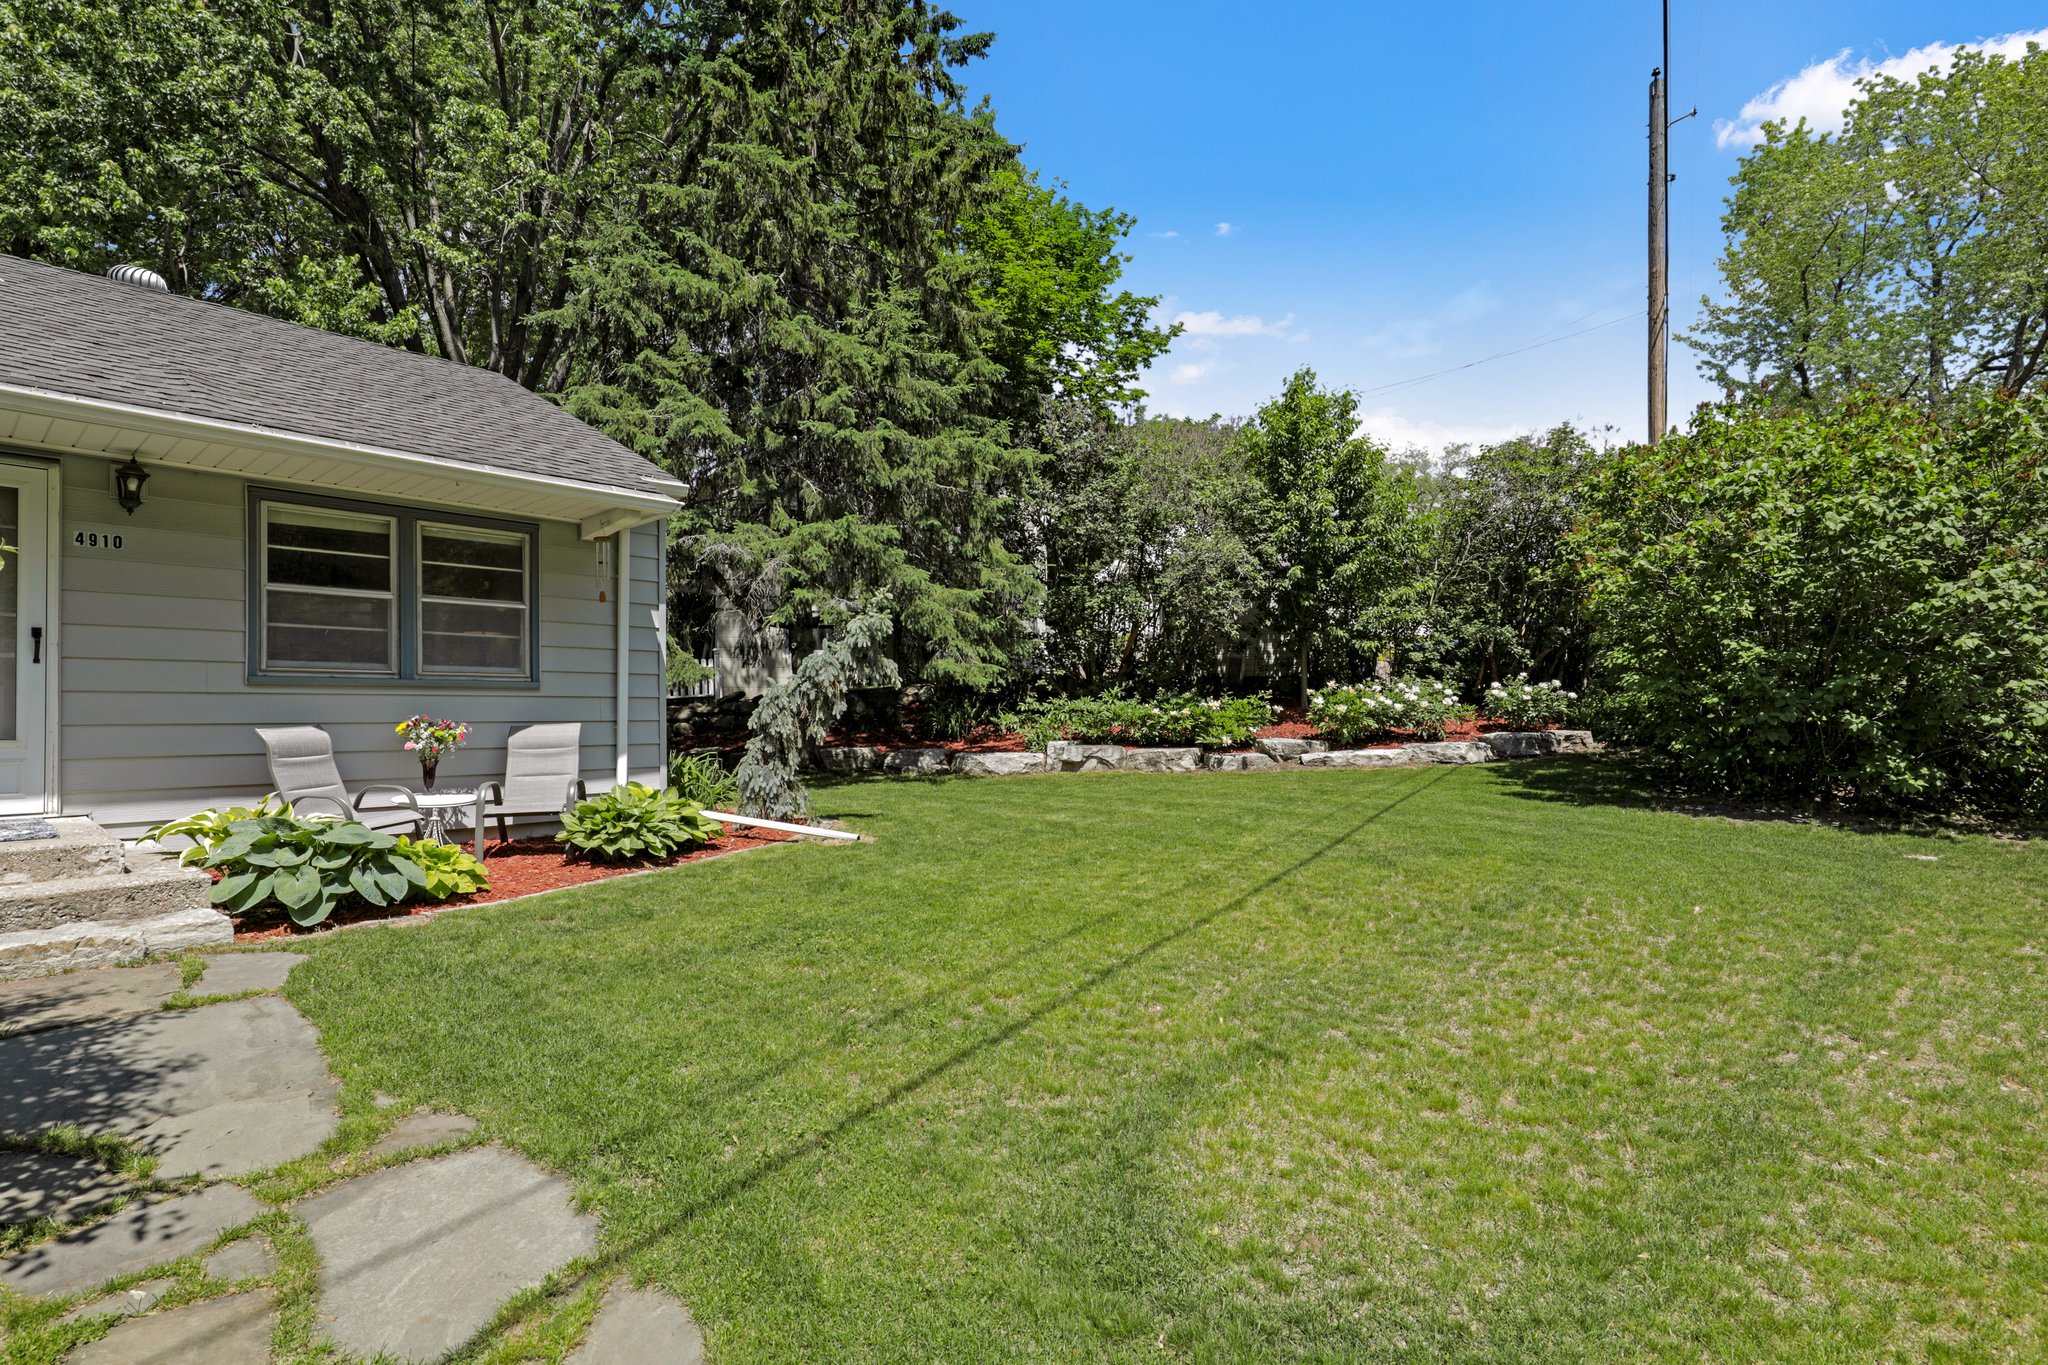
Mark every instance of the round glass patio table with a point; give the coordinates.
(435, 807)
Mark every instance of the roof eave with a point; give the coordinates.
(604, 506)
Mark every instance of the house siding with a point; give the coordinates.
(157, 709)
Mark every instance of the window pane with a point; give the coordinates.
(473, 594)
(469, 637)
(327, 631)
(329, 550)
(455, 564)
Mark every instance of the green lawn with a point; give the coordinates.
(1305, 1066)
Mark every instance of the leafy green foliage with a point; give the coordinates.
(1847, 605)
(1526, 705)
(1341, 536)
(307, 867)
(450, 870)
(636, 822)
(703, 781)
(1904, 256)
(1424, 707)
(206, 829)
(1114, 718)
(792, 718)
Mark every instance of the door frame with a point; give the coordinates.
(52, 472)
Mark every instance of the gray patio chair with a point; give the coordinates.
(302, 769)
(541, 766)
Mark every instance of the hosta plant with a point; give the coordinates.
(1424, 707)
(307, 867)
(1526, 705)
(207, 828)
(634, 822)
(449, 871)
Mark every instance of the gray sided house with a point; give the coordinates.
(332, 533)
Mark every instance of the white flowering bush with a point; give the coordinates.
(1424, 707)
(1113, 718)
(1526, 705)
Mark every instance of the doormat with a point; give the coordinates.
(29, 827)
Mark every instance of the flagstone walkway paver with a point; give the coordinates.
(233, 973)
(415, 1259)
(85, 997)
(247, 1259)
(126, 1303)
(134, 1239)
(33, 1185)
(222, 1090)
(423, 1130)
(230, 1331)
(641, 1327)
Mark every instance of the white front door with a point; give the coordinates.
(27, 631)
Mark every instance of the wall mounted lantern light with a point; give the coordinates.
(128, 481)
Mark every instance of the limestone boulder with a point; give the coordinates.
(1452, 751)
(1071, 756)
(1356, 758)
(850, 758)
(1284, 749)
(998, 765)
(1239, 763)
(917, 762)
(1162, 760)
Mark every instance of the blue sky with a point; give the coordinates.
(1382, 191)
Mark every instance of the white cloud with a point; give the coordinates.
(1214, 324)
(1823, 90)
(1168, 233)
(1189, 374)
(1407, 338)
(1396, 432)
(1223, 229)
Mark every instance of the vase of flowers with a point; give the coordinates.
(428, 739)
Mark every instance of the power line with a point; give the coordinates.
(1502, 355)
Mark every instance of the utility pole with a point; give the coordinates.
(1660, 258)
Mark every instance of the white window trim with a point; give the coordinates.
(390, 595)
(421, 526)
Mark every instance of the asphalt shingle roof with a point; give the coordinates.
(93, 337)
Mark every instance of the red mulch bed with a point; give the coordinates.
(518, 867)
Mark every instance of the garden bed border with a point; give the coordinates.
(1071, 756)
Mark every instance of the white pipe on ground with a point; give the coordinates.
(787, 828)
(622, 547)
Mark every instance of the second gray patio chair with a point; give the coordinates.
(303, 772)
(542, 763)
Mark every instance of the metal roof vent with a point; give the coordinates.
(139, 275)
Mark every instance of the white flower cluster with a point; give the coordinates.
(1520, 702)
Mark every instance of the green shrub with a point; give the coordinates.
(207, 828)
(1843, 606)
(635, 822)
(307, 867)
(703, 781)
(1423, 707)
(449, 871)
(1113, 718)
(1526, 705)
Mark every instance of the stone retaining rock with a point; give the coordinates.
(1450, 751)
(1070, 756)
(1356, 758)
(1239, 763)
(850, 758)
(917, 762)
(1290, 748)
(1161, 760)
(999, 764)
(1536, 743)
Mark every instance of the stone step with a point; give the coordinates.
(146, 893)
(81, 849)
(97, 943)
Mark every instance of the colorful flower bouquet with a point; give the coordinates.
(428, 739)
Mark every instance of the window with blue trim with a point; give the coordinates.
(341, 589)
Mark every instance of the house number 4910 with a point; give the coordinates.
(97, 540)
